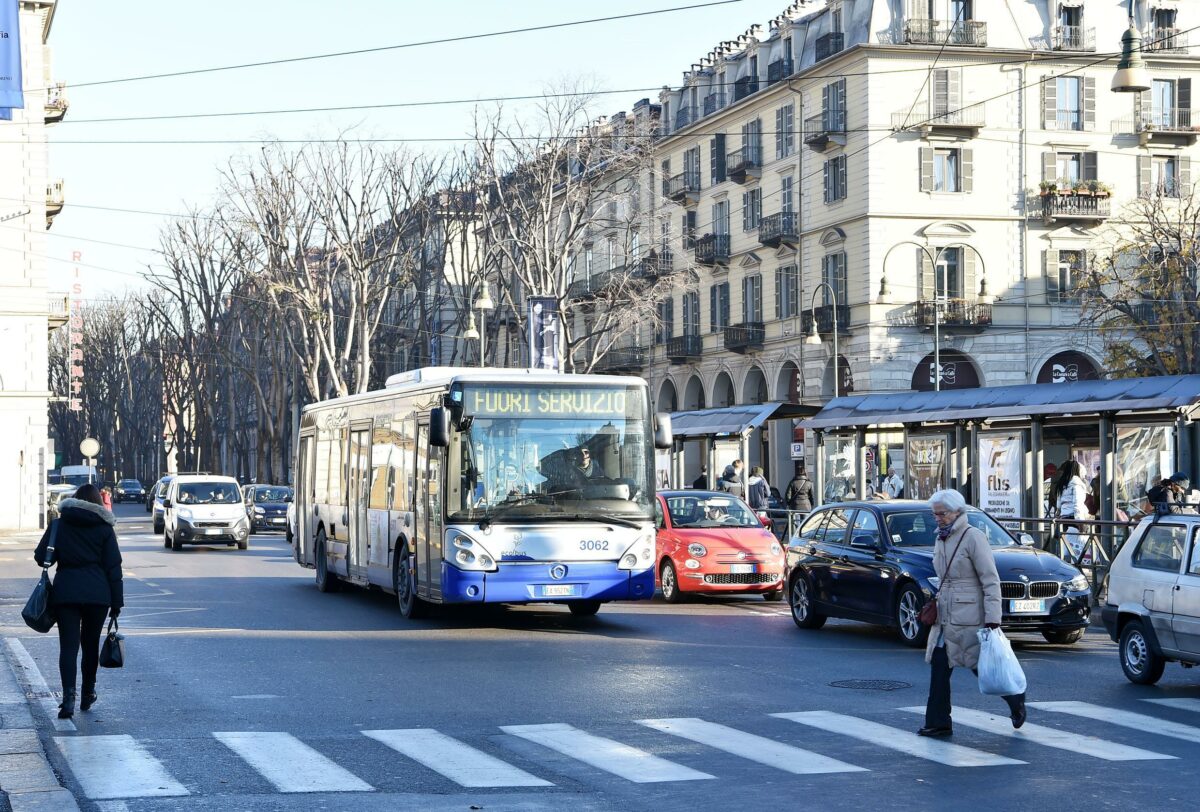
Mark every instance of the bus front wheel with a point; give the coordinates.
(326, 580)
(405, 585)
(584, 608)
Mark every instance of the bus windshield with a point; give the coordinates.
(576, 452)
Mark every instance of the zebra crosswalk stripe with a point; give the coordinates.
(461, 763)
(108, 767)
(1137, 721)
(613, 757)
(755, 748)
(290, 764)
(1049, 736)
(905, 741)
(1178, 704)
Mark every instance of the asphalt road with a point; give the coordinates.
(248, 689)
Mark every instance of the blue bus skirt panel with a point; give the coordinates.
(528, 583)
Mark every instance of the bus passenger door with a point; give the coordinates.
(427, 516)
(302, 510)
(356, 526)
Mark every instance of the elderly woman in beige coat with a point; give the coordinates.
(968, 598)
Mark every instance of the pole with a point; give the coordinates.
(482, 336)
(837, 373)
(937, 337)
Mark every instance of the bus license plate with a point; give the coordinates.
(1028, 607)
(741, 568)
(558, 590)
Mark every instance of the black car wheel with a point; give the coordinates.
(908, 621)
(1064, 637)
(1138, 660)
(669, 581)
(800, 598)
(158, 526)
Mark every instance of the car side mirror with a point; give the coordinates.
(867, 543)
(287, 498)
(1026, 540)
(765, 520)
(166, 503)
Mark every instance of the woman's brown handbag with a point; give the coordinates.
(929, 612)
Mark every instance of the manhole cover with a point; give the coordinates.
(871, 684)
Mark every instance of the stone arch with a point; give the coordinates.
(667, 400)
(958, 371)
(827, 377)
(693, 394)
(754, 386)
(723, 391)
(787, 383)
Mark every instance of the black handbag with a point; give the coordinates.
(39, 609)
(112, 653)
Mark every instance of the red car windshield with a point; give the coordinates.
(710, 510)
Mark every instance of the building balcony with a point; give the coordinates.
(713, 249)
(652, 268)
(684, 116)
(779, 70)
(782, 228)
(56, 103)
(829, 44)
(1144, 313)
(54, 201)
(598, 282)
(623, 360)
(1175, 125)
(958, 315)
(744, 87)
(824, 316)
(745, 337)
(684, 349)
(970, 33)
(964, 121)
(825, 127)
(743, 164)
(714, 102)
(1073, 38)
(683, 188)
(1056, 207)
(1165, 40)
(58, 310)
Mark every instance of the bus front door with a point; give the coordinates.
(427, 509)
(303, 495)
(356, 526)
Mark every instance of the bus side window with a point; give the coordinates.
(401, 483)
(380, 450)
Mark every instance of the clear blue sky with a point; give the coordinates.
(94, 41)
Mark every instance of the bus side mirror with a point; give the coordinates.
(663, 438)
(439, 427)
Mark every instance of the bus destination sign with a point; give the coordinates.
(525, 401)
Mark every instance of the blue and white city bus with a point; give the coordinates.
(482, 486)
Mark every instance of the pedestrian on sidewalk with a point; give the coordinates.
(1069, 499)
(968, 597)
(758, 490)
(799, 492)
(87, 586)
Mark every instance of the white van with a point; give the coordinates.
(204, 509)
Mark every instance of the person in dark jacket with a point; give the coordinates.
(87, 586)
(799, 493)
(731, 479)
(701, 482)
(1167, 495)
(758, 490)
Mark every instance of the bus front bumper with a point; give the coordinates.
(533, 583)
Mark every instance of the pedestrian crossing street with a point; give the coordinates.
(112, 767)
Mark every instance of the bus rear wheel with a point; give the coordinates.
(326, 580)
(584, 608)
(405, 585)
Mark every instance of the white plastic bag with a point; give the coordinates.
(999, 672)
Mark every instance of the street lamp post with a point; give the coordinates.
(1131, 76)
(483, 303)
(814, 338)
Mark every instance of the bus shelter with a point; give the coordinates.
(1001, 446)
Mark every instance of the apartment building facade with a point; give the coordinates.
(920, 179)
(29, 200)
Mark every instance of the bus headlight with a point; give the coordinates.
(468, 554)
(638, 555)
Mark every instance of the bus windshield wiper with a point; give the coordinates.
(521, 500)
(604, 516)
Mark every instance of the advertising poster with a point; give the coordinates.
(544, 352)
(12, 93)
(1000, 486)
(926, 466)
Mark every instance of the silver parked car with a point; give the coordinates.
(1153, 606)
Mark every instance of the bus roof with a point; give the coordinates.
(448, 375)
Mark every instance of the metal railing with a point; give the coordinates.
(742, 159)
(1166, 40)
(920, 115)
(745, 336)
(830, 44)
(1073, 38)
(686, 347)
(953, 313)
(780, 227)
(56, 102)
(680, 186)
(1169, 119)
(820, 127)
(946, 32)
(824, 318)
(650, 268)
(623, 358)
(713, 102)
(684, 116)
(1086, 207)
(779, 70)
(712, 249)
(1068, 119)
(744, 87)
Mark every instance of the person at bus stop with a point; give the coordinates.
(701, 482)
(87, 586)
(893, 485)
(799, 493)
(1069, 499)
(968, 597)
(1167, 496)
(758, 491)
(731, 479)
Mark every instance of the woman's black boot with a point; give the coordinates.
(67, 709)
(87, 698)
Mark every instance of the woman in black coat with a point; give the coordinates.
(87, 586)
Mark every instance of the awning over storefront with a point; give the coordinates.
(1163, 393)
(733, 421)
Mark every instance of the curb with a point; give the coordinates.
(26, 777)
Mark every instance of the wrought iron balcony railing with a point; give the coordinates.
(623, 359)
(946, 32)
(744, 87)
(680, 187)
(779, 228)
(1165, 40)
(714, 102)
(650, 268)
(824, 316)
(1169, 119)
(953, 313)
(1076, 207)
(713, 249)
(56, 103)
(830, 44)
(742, 162)
(779, 70)
(685, 348)
(746, 336)
(920, 115)
(1073, 38)
(820, 128)
(684, 116)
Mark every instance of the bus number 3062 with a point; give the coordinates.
(593, 545)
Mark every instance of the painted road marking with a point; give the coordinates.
(1137, 721)
(755, 748)
(1178, 704)
(1049, 736)
(290, 764)
(461, 763)
(116, 767)
(35, 685)
(613, 757)
(905, 741)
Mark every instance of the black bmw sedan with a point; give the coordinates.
(873, 561)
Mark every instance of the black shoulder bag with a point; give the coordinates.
(112, 653)
(39, 610)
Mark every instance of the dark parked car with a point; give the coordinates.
(873, 561)
(154, 503)
(266, 506)
(129, 490)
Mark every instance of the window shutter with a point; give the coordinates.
(725, 305)
(1049, 103)
(1050, 274)
(721, 158)
(941, 92)
(840, 287)
(1183, 98)
(757, 206)
(827, 98)
(712, 161)
(779, 293)
(970, 288)
(1145, 103)
(1090, 166)
(712, 309)
(779, 133)
(1050, 166)
(1185, 176)
(841, 98)
(924, 276)
(1145, 175)
(841, 167)
(746, 211)
(967, 168)
(828, 175)
(1089, 102)
(953, 89)
(926, 157)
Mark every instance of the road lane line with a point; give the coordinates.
(35, 685)
(613, 757)
(905, 741)
(461, 763)
(1177, 704)
(116, 767)
(755, 748)
(290, 764)
(1049, 736)
(1137, 721)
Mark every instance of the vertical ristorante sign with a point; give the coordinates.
(75, 338)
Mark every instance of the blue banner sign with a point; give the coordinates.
(12, 93)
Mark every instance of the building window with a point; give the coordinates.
(787, 292)
(1070, 167)
(1064, 274)
(1165, 176)
(752, 298)
(833, 273)
(718, 307)
(1163, 104)
(720, 218)
(787, 201)
(688, 228)
(691, 314)
(946, 177)
(613, 258)
(587, 262)
(948, 281)
(691, 167)
(666, 321)
(835, 179)
(785, 131)
(1069, 110)
(751, 209)
(752, 142)
(961, 10)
